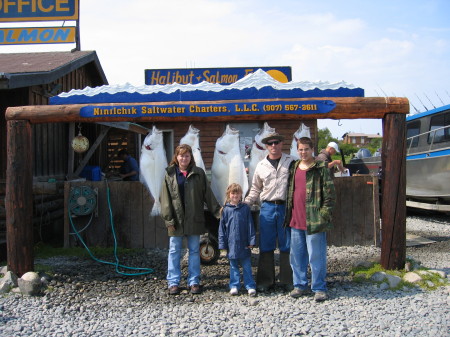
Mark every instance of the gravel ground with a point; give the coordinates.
(90, 299)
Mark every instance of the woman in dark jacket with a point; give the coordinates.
(184, 192)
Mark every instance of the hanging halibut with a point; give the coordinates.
(192, 139)
(259, 150)
(152, 165)
(303, 131)
(228, 165)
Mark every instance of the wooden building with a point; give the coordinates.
(359, 139)
(29, 79)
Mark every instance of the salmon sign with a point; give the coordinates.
(39, 35)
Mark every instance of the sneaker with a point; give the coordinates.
(174, 290)
(297, 292)
(195, 289)
(320, 296)
(234, 291)
(252, 292)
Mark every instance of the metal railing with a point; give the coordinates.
(427, 149)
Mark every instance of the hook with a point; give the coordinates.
(339, 123)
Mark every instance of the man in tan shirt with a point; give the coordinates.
(269, 185)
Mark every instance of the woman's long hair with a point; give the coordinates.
(180, 150)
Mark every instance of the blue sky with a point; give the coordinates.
(393, 48)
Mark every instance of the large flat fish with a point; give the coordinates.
(192, 139)
(228, 165)
(152, 165)
(259, 150)
(303, 131)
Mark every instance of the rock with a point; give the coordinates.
(10, 279)
(378, 276)
(364, 264)
(430, 284)
(384, 286)
(441, 273)
(8, 282)
(408, 266)
(4, 287)
(253, 302)
(412, 277)
(3, 270)
(30, 283)
(393, 280)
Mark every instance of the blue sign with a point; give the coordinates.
(211, 75)
(38, 10)
(294, 107)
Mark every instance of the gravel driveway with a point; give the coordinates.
(91, 299)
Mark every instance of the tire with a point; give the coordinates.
(209, 252)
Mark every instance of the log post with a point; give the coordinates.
(19, 198)
(393, 241)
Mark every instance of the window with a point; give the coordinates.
(412, 129)
(437, 122)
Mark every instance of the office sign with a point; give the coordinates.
(211, 75)
(41, 35)
(293, 107)
(38, 10)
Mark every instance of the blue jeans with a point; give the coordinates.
(313, 249)
(174, 260)
(246, 264)
(271, 219)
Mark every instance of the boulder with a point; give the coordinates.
(7, 282)
(30, 283)
(393, 280)
(412, 277)
(378, 276)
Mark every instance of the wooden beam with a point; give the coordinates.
(393, 212)
(346, 108)
(136, 128)
(19, 200)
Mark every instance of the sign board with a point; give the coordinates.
(211, 75)
(10, 36)
(209, 109)
(38, 10)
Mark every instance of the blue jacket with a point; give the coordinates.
(236, 230)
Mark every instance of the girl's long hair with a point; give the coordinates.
(232, 188)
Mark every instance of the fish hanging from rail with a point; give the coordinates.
(228, 165)
(153, 163)
(192, 139)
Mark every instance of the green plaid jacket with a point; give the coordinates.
(320, 197)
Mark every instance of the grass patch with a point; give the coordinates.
(430, 281)
(43, 251)
(42, 268)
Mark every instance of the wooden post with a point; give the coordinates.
(19, 198)
(393, 241)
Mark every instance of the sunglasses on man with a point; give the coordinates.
(275, 142)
